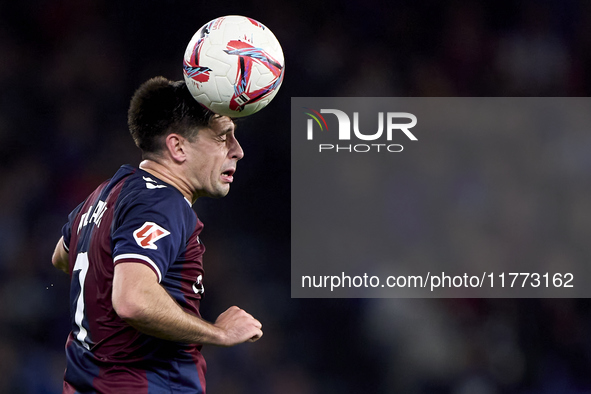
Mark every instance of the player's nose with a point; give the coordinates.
(236, 151)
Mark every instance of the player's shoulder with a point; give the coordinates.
(145, 192)
(143, 188)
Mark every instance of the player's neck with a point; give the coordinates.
(163, 173)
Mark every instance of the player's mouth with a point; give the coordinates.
(228, 175)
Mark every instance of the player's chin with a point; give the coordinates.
(221, 191)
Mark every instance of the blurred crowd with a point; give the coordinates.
(67, 71)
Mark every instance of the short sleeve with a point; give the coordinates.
(67, 228)
(149, 230)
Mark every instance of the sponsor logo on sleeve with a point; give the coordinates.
(147, 235)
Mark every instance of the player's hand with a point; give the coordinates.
(238, 326)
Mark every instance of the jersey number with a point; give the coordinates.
(81, 268)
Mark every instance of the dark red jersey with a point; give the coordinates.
(133, 217)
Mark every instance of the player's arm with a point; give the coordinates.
(142, 302)
(60, 256)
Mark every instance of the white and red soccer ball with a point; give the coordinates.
(233, 66)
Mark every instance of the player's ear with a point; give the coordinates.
(175, 147)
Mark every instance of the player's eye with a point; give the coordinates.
(222, 137)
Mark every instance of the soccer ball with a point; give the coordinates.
(233, 66)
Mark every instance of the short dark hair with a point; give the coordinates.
(160, 107)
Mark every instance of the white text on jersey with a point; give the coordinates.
(93, 215)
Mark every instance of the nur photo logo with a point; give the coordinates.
(389, 125)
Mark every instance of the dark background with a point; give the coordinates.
(67, 72)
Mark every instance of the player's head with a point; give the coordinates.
(171, 128)
(160, 107)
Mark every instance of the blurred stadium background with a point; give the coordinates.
(67, 71)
